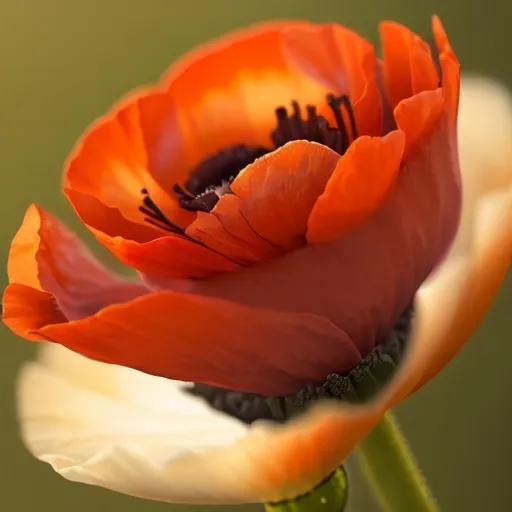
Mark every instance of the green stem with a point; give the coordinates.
(392, 472)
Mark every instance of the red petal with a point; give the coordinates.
(226, 231)
(168, 256)
(417, 116)
(408, 65)
(47, 257)
(450, 69)
(279, 190)
(112, 162)
(26, 309)
(359, 185)
(227, 91)
(204, 340)
(364, 279)
(345, 62)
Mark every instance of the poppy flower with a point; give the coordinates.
(283, 195)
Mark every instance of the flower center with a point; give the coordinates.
(211, 179)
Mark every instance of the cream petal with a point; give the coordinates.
(485, 145)
(124, 430)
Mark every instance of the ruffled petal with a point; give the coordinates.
(48, 259)
(170, 256)
(450, 69)
(361, 182)
(408, 65)
(274, 198)
(215, 342)
(112, 161)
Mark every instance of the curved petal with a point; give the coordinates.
(416, 117)
(484, 240)
(112, 160)
(251, 72)
(169, 256)
(450, 69)
(363, 280)
(486, 268)
(408, 65)
(133, 433)
(253, 350)
(482, 146)
(338, 56)
(47, 257)
(275, 196)
(361, 182)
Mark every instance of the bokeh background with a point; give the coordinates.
(64, 62)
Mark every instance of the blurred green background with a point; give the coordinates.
(64, 62)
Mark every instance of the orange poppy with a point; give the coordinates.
(283, 194)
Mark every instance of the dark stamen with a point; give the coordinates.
(209, 180)
(335, 103)
(155, 216)
(316, 128)
(350, 112)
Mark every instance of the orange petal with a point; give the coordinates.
(231, 346)
(109, 220)
(112, 161)
(45, 256)
(416, 117)
(227, 91)
(278, 190)
(450, 69)
(227, 231)
(359, 185)
(144, 248)
(170, 256)
(344, 61)
(408, 65)
(26, 309)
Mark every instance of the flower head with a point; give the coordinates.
(283, 195)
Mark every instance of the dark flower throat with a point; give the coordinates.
(212, 177)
